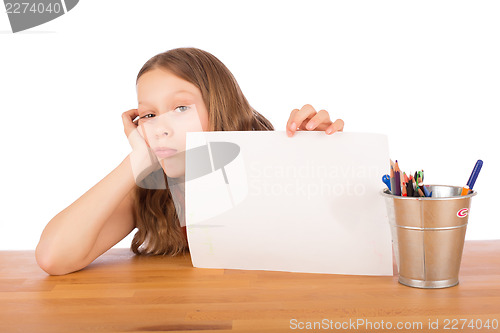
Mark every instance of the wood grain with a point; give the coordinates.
(121, 292)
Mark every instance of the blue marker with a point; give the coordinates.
(473, 177)
(387, 181)
(474, 174)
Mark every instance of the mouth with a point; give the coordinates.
(165, 152)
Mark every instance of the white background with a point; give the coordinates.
(425, 73)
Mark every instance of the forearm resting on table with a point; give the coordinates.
(69, 237)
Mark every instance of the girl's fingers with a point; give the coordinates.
(320, 121)
(336, 126)
(131, 126)
(308, 119)
(127, 118)
(290, 120)
(132, 114)
(307, 111)
(136, 136)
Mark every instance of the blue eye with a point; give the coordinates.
(182, 109)
(182, 106)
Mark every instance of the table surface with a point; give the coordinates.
(122, 292)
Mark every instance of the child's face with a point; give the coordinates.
(168, 108)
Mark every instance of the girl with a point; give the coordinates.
(184, 89)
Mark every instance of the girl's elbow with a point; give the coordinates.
(48, 265)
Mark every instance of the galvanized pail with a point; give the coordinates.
(428, 235)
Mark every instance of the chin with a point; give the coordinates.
(173, 168)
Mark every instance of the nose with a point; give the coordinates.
(163, 126)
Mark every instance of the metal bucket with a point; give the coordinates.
(428, 235)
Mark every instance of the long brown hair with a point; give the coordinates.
(159, 231)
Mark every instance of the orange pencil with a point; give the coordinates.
(396, 166)
(403, 185)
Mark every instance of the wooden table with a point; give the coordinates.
(121, 292)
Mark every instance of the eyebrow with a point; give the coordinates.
(175, 93)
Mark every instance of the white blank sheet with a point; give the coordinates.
(310, 203)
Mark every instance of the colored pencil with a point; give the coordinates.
(397, 179)
(415, 188)
(392, 180)
(409, 188)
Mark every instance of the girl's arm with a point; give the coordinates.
(91, 225)
(102, 216)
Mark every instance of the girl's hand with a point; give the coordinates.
(132, 131)
(142, 158)
(308, 119)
